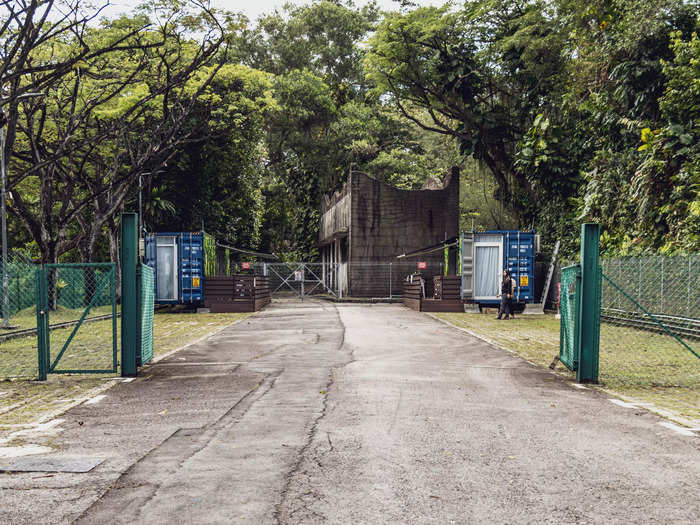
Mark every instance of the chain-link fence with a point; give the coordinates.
(650, 328)
(570, 293)
(361, 280)
(79, 322)
(74, 296)
(18, 355)
(385, 280)
(146, 296)
(18, 293)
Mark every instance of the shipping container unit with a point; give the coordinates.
(484, 257)
(178, 260)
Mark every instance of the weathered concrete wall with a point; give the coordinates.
(386, 222)
(335, 214)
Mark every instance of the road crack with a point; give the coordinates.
(296, 470)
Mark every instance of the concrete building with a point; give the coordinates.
(370, 222)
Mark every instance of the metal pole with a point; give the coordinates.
(340, 281)
(687, 312)
(662, 284)
(140, 208)
(390, 294)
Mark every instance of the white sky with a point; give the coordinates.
(253, 8)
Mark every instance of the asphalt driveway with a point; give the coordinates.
(321, 413)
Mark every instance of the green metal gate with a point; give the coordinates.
(76, 318)
(568, 309)
(145, 314)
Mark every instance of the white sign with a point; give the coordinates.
(298, 275)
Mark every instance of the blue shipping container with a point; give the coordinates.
(484, 257)
(177, 259)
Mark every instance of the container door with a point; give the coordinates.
(467, 253)
(488, 267)
(167, 263)
(191, 266)
(520, 261)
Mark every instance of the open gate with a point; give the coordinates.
(69, 296)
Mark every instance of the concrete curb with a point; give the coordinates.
(666, 414)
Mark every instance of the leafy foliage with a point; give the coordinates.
(557, 112)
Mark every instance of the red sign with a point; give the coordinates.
(245, 266)
(422, 265)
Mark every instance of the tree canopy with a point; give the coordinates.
(557, 111)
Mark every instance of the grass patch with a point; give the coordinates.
(26, 319)
(648, 366)
(174, 330)
(24, 401)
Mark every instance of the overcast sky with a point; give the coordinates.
(253, 8)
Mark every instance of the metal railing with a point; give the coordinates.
(650, 325)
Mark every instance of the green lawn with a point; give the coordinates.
(23, 401)
(26, 319)
(644, 365)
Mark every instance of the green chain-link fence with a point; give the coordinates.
(21, 296)
(568, 334)
(68, 292)
(78, 327)
(650, 328)
(145, 317)
(18, 357)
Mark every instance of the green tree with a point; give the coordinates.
(479, 74)
(106, 122)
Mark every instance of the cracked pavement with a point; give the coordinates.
(321, 413)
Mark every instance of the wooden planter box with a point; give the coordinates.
(445, 296)
(237, 293)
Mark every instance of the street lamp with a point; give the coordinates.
(3, 212)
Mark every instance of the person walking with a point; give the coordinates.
(506, 295)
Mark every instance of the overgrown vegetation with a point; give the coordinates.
(557, 112)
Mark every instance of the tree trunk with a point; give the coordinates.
(113, 233)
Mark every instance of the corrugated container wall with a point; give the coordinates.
(178, 261)
(484, 257)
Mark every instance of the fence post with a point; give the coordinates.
(129, 251)
(340, 281)
(39, 280)
(688, 295)
(639, 279)
(589, 306)
(390, 291)
(663, 310)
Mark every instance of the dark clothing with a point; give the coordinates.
(506, 298)
(506, 286)
(506, 306)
